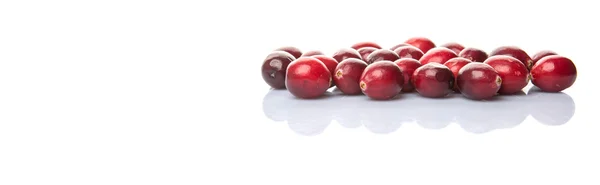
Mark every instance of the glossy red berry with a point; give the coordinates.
(364, 52)
(455, 65)
(274, 68)
(307, 78)
(554, 73)
(359, 45)
(347, 76)
(473, 54)
(382, 80)
(408, 67)
(516, 52)
(541, 54)
(478, 81)
(437, 55)
(456, 47)
(433, 80)
(409, 52)
(297, 53)
(514, 74)
(381, 55)
(424, 44)
(399, 45)
(329, 62)
(344, 53)
(312, 53)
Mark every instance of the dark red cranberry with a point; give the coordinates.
(514, 74)
(399, 45)
(364, 52)
(382, 80)
(359, 45)
(409, 52)
(473, 54)
(344, 53)
(554, 73)
(380, 55)
(433, 80)
(455, 65)
(408, 67)
(438, 55)
(329, 62)
(456, 47)
(274, 68)
(541, 54)
(478, 81)
(291, 50)
(516, 52)
(312, 53)
(347, 75)
(424, 44)
(307, 78)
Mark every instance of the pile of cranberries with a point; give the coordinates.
(417, 65)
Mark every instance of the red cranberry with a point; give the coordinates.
(424, 44)
(312, 53)
(456, 47)
(516, 52)
(408, 67)
(347, 75)
(433, 80)
(473, 54)
(359, 45)
(514, 74)
(380, 55)
(329, 62)
(364, 52)
(409, 52)
(382, 80)
(438, 55)
(274, 68)
(344, 53)
(554, 73)
(541, 54)
(455, 65)
(478, 81)
(291, 50)
(399, 45)
(307, 78)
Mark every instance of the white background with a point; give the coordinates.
(170, 92)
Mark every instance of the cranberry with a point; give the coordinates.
(473, 54)
(359, 45)
(364, 52)
(408, 67)
(380, 55)
(312, 53)
(329, 62)
(455, 65)
(291, 50)
(344, 53)
(478, 81)
(516, 52)
(409, 52)
(541, 54)
(433, 80)
(554, 73)
(307, 78)
(347, 75)
(424, 44)
(514, 74)
(438, 55)
(382, 80)
(274, 68)
(456, 47)
(399, 45)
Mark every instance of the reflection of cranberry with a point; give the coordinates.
(307, 78)
(382, 80)
(274, 68)
(550, 108)
(424, 44)
(554, 73)
(291, 50)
